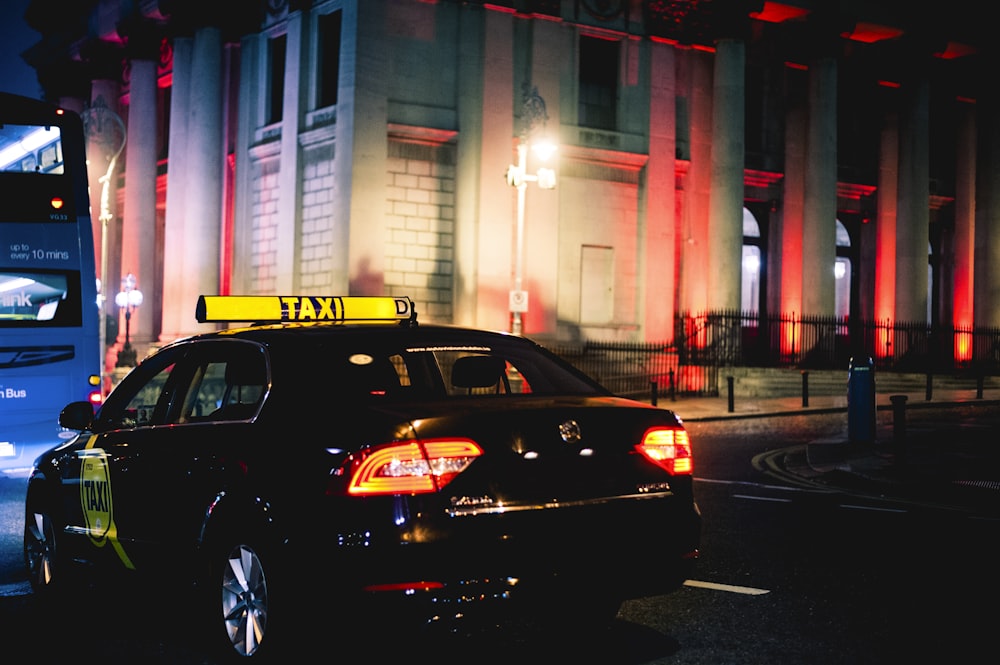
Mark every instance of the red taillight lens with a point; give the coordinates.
(668, 447)
(410, 467)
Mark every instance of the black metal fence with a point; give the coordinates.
(706, 342)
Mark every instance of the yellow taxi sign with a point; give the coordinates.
(279, 309)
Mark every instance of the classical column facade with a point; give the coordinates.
(913, 210)
(175, 310)
(139, 248)
(725, 206)
(203, 175)
(659, 216)
(820, 188)
(359, 194)
(469, 159)
(963, 280)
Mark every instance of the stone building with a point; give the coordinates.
(803, 157)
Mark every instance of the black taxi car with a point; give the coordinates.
(343, 456)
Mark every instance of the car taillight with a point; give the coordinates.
(409, 467)
(668, 447)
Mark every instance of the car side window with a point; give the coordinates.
(229, 384)
(150, 403)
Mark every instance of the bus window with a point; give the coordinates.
(30, 148)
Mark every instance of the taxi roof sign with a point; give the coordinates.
(305, 309)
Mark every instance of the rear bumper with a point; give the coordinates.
(519, 562)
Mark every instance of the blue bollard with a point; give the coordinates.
(861, 402)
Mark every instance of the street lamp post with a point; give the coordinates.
(532, 113)
(128, 299)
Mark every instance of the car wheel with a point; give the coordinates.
(245, 602)
(39, 550)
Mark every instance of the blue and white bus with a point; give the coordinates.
(49, 312)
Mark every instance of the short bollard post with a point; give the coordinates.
(732, 406)
(652, 390)
(673, 387)
(979, 387)
(930, 387)
(899, 423)
(861, 401)
(805, 388)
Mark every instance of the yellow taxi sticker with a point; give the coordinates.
(96, 500)
(227, 309)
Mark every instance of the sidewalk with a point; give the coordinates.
(954, 462)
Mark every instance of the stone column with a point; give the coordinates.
(139, 216)
(287, 243)
(913, 211)
(820, 190)
(469, 159)
(361, 154)
(987, 223)
(659, 217)
(789, 229)
(175, 310)
(725, 207)
(203, 174)
(965, 222)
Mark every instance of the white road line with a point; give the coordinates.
(761, 498)
(877, 509)
(746, 590)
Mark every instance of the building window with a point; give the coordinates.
(276, 48)
(598, 77)
(842, 273)
(328, 60)
(752, 265)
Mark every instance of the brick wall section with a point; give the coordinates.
(315, 265)
(420, 227)
(265, 206)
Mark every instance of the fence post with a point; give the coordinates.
(729, 381)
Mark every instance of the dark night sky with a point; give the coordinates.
(15, 36)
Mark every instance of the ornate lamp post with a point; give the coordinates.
(127, 299)
(533, 115)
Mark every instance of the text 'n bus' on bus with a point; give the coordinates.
(49, 312)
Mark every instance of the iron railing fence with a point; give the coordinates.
(637, 369)
(706, 342)
(817, 342)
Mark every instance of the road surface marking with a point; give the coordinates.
(746, 590)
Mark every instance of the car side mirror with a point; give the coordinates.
(77, 415)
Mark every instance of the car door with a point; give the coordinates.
(151, 468)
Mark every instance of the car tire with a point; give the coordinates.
(239, 600)
(242, 600)
(48, 573)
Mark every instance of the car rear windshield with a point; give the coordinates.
(448, 370)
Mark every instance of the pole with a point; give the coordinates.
(522, 186)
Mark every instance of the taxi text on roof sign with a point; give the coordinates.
(261, 309)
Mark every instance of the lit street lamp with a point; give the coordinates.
(532, 112)
(127, 299)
